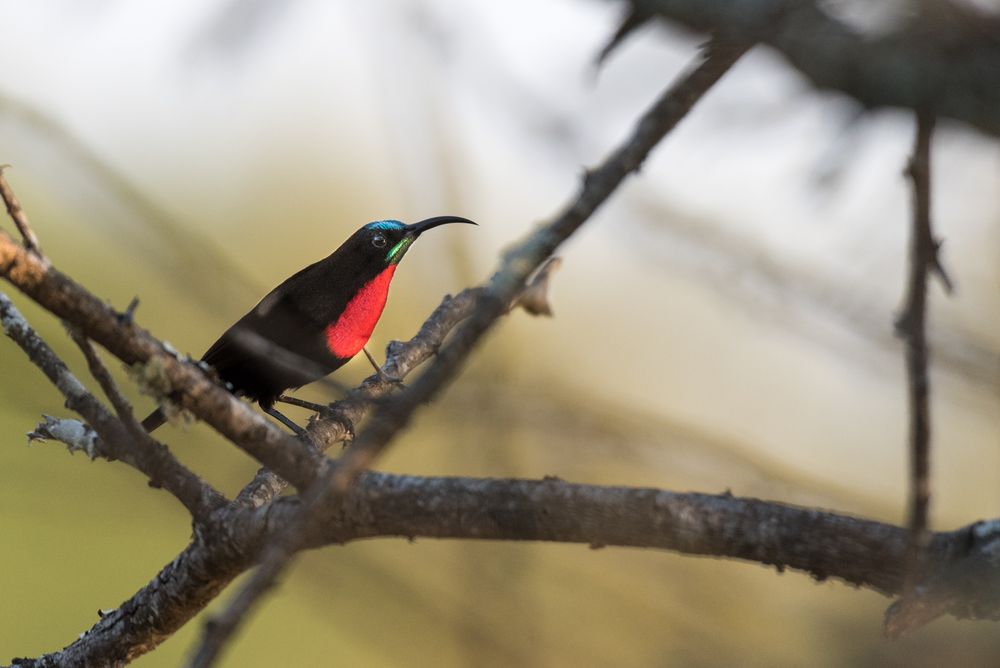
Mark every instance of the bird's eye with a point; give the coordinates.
(378, 241)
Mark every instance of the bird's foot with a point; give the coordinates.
(323, 411)
(337, 415)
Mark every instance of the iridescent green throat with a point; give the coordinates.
(396, 253)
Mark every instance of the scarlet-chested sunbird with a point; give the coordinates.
(315, 321)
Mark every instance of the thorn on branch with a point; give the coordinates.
(938, 269)
(633, 20)
(535, 297)
(128, 316)
(903, 324)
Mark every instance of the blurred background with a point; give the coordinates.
(725, 322)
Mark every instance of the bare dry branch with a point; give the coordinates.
(517, 266)
(116, 441)
(912, 327)
(535, 298)
(821, 544)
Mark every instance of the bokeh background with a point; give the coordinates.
(725, 322)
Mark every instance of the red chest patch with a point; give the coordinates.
(347, 336)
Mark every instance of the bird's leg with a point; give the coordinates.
(372, 361)
(301, 403)
(382, 375)
(283, 419)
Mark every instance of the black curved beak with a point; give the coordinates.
(416, 229)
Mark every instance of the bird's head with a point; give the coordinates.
(388, 240)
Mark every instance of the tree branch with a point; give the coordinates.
(516, 268)
(100, 373)
(824, 545)
(116, 441)
(943, 58)
(911, 326)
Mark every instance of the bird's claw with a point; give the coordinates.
(395, 381)
(347, 423)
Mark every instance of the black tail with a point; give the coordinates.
(154, 420)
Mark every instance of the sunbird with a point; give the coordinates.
(315, 321)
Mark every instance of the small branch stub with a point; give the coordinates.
(18, 215)
(535, 297)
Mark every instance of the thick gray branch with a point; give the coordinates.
(823, 544)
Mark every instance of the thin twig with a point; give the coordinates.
(517, 266)
(116, 441)
(18, 215)
(912, 327)
(118, 401)
(100, 373)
